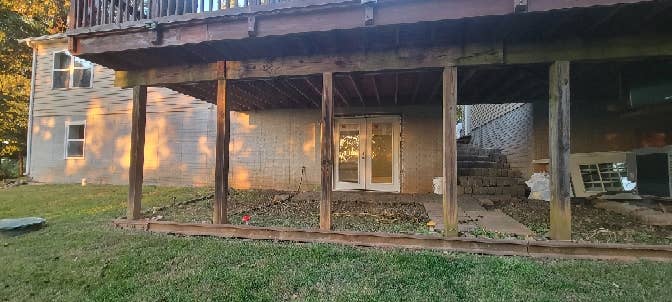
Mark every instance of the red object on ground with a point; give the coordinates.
(246, 218)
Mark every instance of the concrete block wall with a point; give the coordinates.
(508, 127)
(278, 149)
(602, 125)
(275, 149)
(669, 166)
(421, 148)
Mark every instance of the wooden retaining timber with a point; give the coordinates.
(543, 249)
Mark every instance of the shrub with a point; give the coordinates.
(9, 168)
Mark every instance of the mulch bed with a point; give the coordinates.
(588, 223)
(274, 209)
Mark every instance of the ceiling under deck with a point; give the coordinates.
(476, 85)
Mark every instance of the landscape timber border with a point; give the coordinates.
(527, 248)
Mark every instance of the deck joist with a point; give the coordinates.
(537, 249)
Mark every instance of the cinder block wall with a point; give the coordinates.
(279, 149)
(508, 127)
(605, 125)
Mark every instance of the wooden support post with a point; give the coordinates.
(449, 151)
(559, 119)
(327, 149)
(138, 121)
(221, 156)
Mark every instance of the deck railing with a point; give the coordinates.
(89, 13)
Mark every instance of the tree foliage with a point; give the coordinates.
(18, 20)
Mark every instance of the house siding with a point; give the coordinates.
(180, 131)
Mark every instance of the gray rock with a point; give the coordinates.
(19, 223)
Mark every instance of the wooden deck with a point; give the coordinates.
(457, 51)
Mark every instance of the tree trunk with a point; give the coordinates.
(20, 165)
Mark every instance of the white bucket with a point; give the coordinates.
(437, 184)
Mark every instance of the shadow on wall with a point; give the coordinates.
(268, 149)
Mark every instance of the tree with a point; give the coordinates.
(18, 20)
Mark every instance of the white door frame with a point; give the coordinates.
(340, 185)
(365, 182)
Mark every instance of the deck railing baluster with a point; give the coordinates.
(88, 13)
(117, 16)
(77, 14)
(122, 8)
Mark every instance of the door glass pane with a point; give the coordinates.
(381, 153)
(348, 153)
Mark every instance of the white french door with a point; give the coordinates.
(367, 153)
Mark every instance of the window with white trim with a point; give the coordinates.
(70, 71)
(74, 139)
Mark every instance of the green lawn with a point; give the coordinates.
(78, 256)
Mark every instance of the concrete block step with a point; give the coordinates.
(461, 157)
(500, 172)
(513, 191)
(478, 152)
(489, 181)
(481, 164)
(482, 155)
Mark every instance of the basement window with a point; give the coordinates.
(603, 177)
(74, 139)
(71, 72)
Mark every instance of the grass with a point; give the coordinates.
(78, 256)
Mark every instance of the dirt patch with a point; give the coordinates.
(588, 223)
(271, 209)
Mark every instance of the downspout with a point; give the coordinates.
(29, 136)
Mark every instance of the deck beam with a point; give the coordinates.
(559, 148)
(137, 153)
(622, 48)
